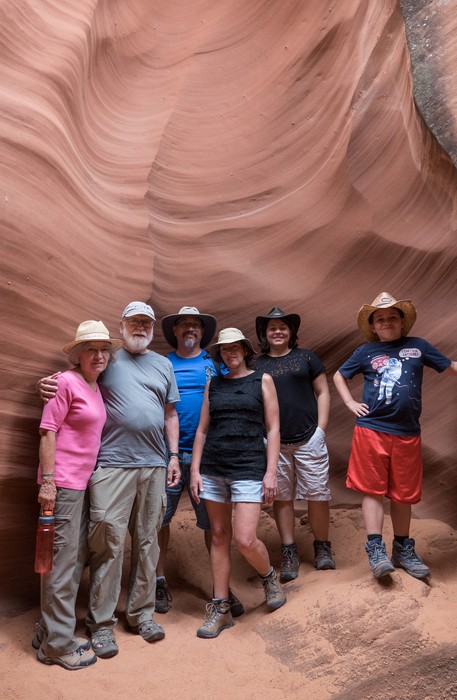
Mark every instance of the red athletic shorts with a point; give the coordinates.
(386, 465)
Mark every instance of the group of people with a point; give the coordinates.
(236, 431)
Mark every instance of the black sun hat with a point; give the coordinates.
(261, 322)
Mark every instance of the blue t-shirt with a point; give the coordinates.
(392, 387)
(191, 374)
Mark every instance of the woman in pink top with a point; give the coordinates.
(70, 428)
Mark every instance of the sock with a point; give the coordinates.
(401, 539)
(326, 542)
(218, 601)
(371, 538)
(161, 579)
(267, 575)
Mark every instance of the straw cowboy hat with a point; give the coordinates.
(232, 335)
(261, 322)
(385, 301)
(208, 323)
(92, 330)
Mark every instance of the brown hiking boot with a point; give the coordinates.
(274, 595)
(218, 618)
(323, 555)
(290, 562)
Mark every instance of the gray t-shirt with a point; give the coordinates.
(136, 389)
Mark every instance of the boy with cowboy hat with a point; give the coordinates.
(386, 456)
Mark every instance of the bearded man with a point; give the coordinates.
(127, 488)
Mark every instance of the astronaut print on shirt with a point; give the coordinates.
(390, 372)
(393, 373)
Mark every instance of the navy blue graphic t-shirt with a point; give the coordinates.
(392, 387)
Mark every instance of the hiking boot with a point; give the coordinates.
(377, 556)
(405, 556)
(163, 597)
(274, 595)
(75, 660)
(290, 562)
(104, 643)
(323, 555)
(149, 630)
(39, 636)
(218, 618)
(236, 606)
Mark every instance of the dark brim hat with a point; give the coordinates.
(385, 301)
(208, 322)
(261, 322)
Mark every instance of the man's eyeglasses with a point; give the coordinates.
(135, 321)
(189, 324)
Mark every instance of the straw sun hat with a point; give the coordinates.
(231, 335)
(92, 330)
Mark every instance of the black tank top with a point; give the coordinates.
(234, 445)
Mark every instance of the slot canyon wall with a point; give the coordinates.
(233, 156)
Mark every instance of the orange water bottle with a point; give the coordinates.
(44, 550)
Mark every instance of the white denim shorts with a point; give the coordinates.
(303, 470)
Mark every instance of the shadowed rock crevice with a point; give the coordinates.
(429, 28)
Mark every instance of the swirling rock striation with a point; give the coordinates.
(227, 155)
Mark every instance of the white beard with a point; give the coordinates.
(136, 344)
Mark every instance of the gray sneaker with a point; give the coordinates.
(104, 643)
(274, 595)
(39, 636)
(377, 556)
(75, 660)
(149, 630)
(218, 618)
(163, 597)
(290, 562)
(405, 556)
(323, 555)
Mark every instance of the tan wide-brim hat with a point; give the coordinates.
(386, 301)
(231, 335)
(208, 322)
(92, 330)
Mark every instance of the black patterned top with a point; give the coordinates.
(234, 446)
(293, 375)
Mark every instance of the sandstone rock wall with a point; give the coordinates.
(233, 156)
